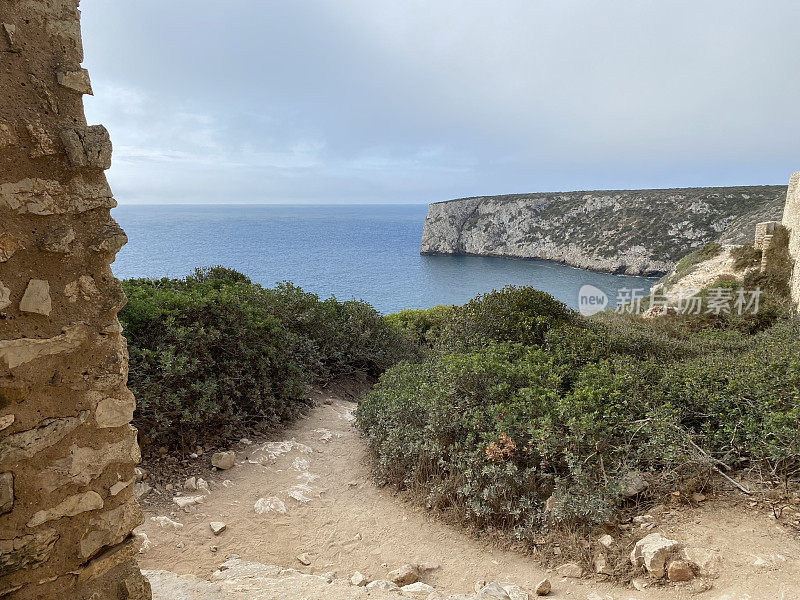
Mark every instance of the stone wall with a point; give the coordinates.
(791, 220)
(764, 232)
(67, 451)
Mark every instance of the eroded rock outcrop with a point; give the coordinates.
(637, 232)
(67, 451)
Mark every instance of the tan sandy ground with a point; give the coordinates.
(344, 523)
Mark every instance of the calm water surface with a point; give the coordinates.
(367, 252)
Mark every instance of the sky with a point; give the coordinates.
(411, 101)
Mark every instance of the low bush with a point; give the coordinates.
(213, 354)
(526, 416)
(424, 326)
(745, 257)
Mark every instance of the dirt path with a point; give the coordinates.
(335, 515)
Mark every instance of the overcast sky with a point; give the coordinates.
(420, 101)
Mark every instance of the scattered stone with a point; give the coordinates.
(383, 585)
(143, 541)
(140, 473)
(329, 576)
(76, 80)
(640, 584)
(217, 527)
(190, 484)
(601, 566)
(271, 504)
(214, 548)
(708, 563)
(652, 552)
(643, 519)
(516, 593)
(417, 589)
(679, 570)
(186, 501)
(180, 544)
(633, 484)
(164, 521)
(404, 575)
(304, 559)
(570, 570)
(69, 507)
(36, 298)
(606, 541)
(224, 460)
(358, 579)
(6, 492)
(202, 486)
(492, 591)
(428, 566)
(88, 146)
(141, 490)
(544, 587)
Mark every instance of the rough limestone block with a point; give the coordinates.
(14, 353)
(26, 551)
(88, 146)
(25, 444)
(6, 421)
(110, 527)
(51, 197)
(8, 135)
(111, 239)
(69, 507)
(115, 412)
(58, 240)
(77, 80)
(5, 296)
(83, 288)
(8, 246)
(42, 143)
(6, 492)
(10, 31)
(37, 298)
(791, 220)
(83, 464)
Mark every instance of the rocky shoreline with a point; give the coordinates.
(631, 232)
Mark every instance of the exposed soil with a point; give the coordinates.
(318, 471)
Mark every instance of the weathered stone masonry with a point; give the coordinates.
(791, 220)
(67, 451)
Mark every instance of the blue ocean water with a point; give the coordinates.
(366, 252)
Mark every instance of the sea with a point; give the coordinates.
(363, 252)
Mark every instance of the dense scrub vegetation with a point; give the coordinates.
(525, 415)
(213, 353)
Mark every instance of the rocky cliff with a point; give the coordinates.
(636, 232)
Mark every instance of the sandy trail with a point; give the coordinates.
(334, 513)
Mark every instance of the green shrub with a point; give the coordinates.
(424, 326)
(213, 354)
(513, 314)
(746, 257)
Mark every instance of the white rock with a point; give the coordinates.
(358, 579)
(141, 489)
(202, 486)
(14, 353)
(217, 527)
(143, 541)
(304, 559)
(382, 584)
(224, 460)
(570, 570)
(516, 593)
(492, 591)
(36, 298)
(76, 80)
(119, 486)
(606, 541)
(185, 501)
(115, 412)
(164, 521)
(404, 575)
(544, 587)
(271, 504)
(417, 589)
(5, 296)
(6, 421)
(190, 484)
(652, 552)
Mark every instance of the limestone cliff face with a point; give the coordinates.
(636, 232)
